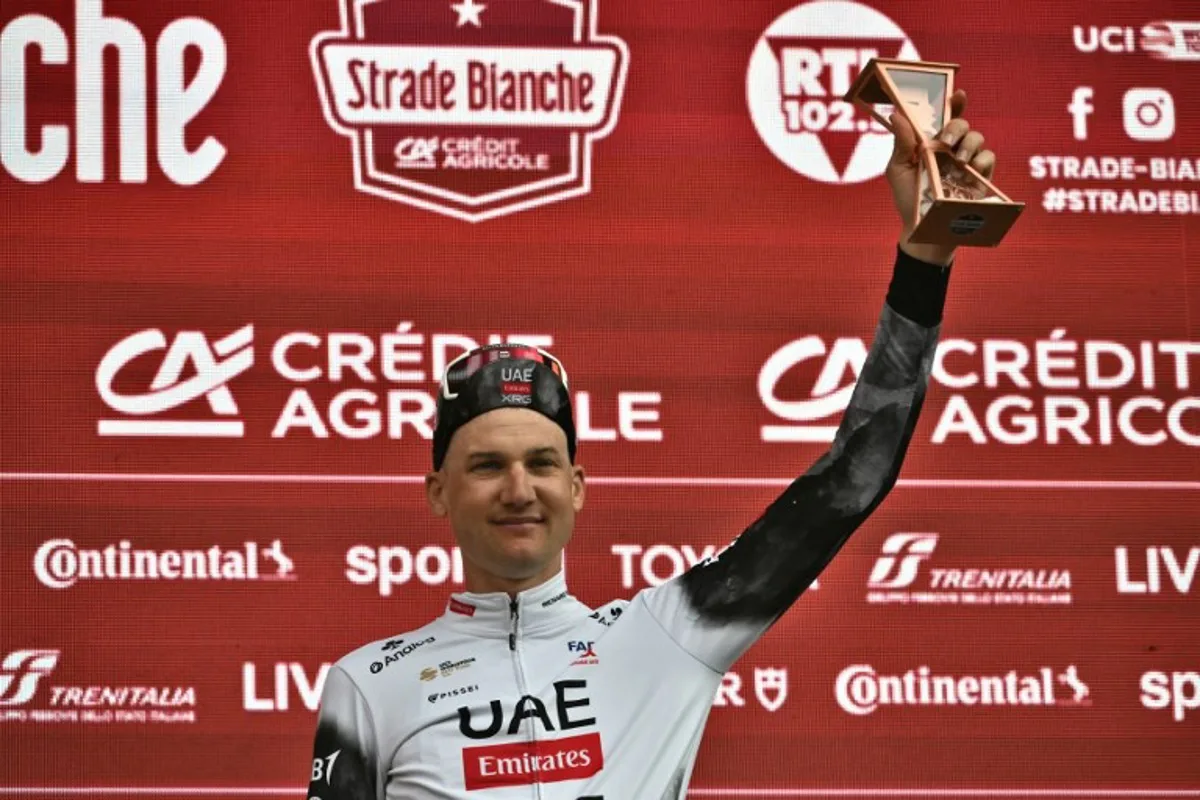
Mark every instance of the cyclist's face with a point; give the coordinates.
(510, 493)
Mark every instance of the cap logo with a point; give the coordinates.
(516, 374)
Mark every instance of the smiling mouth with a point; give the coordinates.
(518, 522)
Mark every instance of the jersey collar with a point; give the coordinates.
(491, 614)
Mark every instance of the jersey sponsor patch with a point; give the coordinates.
(521, 763)
(461, 690)
(397, 649)
(585, 653)
(459, 607)
(446, 669)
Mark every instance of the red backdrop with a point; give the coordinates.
(230, 272)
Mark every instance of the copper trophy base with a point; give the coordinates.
(973, 223)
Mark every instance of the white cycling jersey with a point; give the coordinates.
(543, 697)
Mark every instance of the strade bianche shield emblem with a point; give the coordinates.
(470, 109)
(770, 686)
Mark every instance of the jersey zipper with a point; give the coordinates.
(515, 609)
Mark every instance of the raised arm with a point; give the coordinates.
(719, 607)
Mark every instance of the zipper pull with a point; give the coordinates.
(512, 636)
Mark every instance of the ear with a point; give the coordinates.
(578, 488)
(435, 487)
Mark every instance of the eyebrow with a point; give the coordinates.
(533, 451)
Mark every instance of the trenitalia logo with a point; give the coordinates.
(22, 669)
(902, 557)
(21, 674)
(896, 578)
(860, 690)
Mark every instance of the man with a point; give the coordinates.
(518, 690)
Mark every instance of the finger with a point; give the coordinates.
(958, 103)
(970, 144)
(905, 138)
(954, 131)
(984, 163)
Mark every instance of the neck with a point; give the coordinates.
(479, 581)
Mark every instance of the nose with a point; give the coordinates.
(518, 489)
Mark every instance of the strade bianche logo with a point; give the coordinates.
(473, 110)
(804, 62)
(897, 578)
(25, 696)
(860, 690)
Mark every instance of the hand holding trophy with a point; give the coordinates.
(953, 202)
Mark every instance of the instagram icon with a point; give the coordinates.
(1149, 114)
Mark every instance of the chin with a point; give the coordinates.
(522, 562)
(525, 557)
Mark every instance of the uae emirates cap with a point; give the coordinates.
(501, 376)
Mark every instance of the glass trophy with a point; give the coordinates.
(955, 204)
